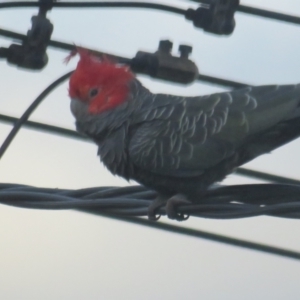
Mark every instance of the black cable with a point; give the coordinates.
(269, 14)
(260, 12)
(211, 237)
(222, 82)
(218, 202)
(241, 8)
(59, 45)
(266, 176)
(90, 4)
(129, 200)
(29, 111)
(104, 201)
(45, 128)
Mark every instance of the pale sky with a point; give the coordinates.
(72, 255)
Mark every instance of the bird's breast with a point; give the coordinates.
(113, 152)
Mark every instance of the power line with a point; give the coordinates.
(90, 4)
(205, 3)
(269, 14)
(211, 237)
(29, 111)
(205, 17)
(68, 133)
(218, 202)
(222, 82)
(266, 176)
(103, 201)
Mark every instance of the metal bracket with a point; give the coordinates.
(163, 65)
(218, 18)
(31, 54)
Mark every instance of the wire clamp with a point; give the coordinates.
(31, 54)
(218, 18)
(163, 65)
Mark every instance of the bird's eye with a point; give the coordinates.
(93, 92)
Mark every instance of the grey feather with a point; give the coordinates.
(177, 144)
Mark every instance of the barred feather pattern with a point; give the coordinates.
(183, 144)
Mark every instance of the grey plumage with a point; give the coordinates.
(183, 144)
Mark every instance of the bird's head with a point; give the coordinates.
(99, 83)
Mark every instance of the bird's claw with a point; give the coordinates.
(153, 216)
(153, 210)
(179, 217)
(171, 207)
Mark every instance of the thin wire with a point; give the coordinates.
(29, 111)
(205, 3)
(209, 236)
(241, 8)
(266, 176)
(88, 4)
(45, 128)
(222, 82)
(269, 14)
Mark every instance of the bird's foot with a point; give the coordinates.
(171, 207)
(154, 208)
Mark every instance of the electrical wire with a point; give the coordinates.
(218, 202)
(221, 82)
(204, 3)
(68, 133)
(266, 176)
(211, 237)
(123, 203)
(29, 111)
(90, 4)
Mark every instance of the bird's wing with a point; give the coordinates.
(180, 136)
